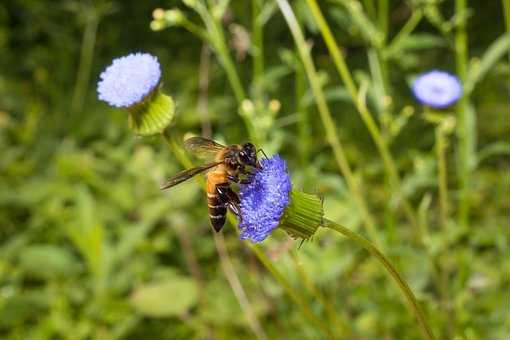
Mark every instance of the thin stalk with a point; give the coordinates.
(382, 16)
(266, 262)
(302, 111)
(443, 275)
(258, 44)
(406, 30)
(216, 37)
(464, 131)
(401, 283)
(370, 8)
(293, 294)
(506, 10)
(237, 288)
(327, 120)
(334, 319)
(366, 116)
(203, 91)
(195, 29)
(441, 175)
(86, 56)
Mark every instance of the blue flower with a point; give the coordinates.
(264, 199)
(437, 89)
(129, 79)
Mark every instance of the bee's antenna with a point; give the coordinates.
(260, 150)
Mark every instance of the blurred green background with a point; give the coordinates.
(90, 248)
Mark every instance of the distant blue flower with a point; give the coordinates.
(437, 89)
(264, 200)
(129, 79)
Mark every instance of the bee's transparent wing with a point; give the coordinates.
(187, 174)
(202, 147)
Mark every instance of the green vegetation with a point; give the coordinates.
(90, 248)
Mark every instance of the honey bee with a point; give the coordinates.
(229, 164)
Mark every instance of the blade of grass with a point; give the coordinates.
(366, 116)
(86, 56)
(465, 133)
(327, 120)
(491, 56)
(506, 12)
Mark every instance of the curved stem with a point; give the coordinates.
(404, 287)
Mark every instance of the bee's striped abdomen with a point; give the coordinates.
(217, 208)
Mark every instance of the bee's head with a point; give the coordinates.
(248, 154)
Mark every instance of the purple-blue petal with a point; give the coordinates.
(129, 79)
(264, 200)
(437, 89)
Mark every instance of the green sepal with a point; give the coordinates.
(152, 115)
(303, 215)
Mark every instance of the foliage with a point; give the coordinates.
(90, 248)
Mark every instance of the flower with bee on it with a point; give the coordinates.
(133, 83)
(268, 201)
(437, 89)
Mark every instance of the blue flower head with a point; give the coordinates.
(437, 89)
(264, 199)
(129, 79)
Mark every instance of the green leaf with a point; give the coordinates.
(478, 70)
(47, 262)
(170, 297)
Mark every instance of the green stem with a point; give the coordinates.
(258, 44)
(406, 30)
(403, 286)
(266, 262)
(337, 322)
(442, 275)
(327, 120)
(293, 294)
(441, 175)
(383, 16)
(216, 37)
(370, 8)
(86, 56)
(506, 10)
(195, 29)
(366, 116)
(464, 130)
(302, 110)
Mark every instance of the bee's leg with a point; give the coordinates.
(247, 179)
(260, 150)
(232, 178)
(230, 199)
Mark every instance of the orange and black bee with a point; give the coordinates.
(230, 164)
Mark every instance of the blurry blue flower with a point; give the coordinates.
(129, 79)
(264, 200)
(437, 89)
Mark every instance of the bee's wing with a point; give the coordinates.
(187, 174)
(202, 147)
